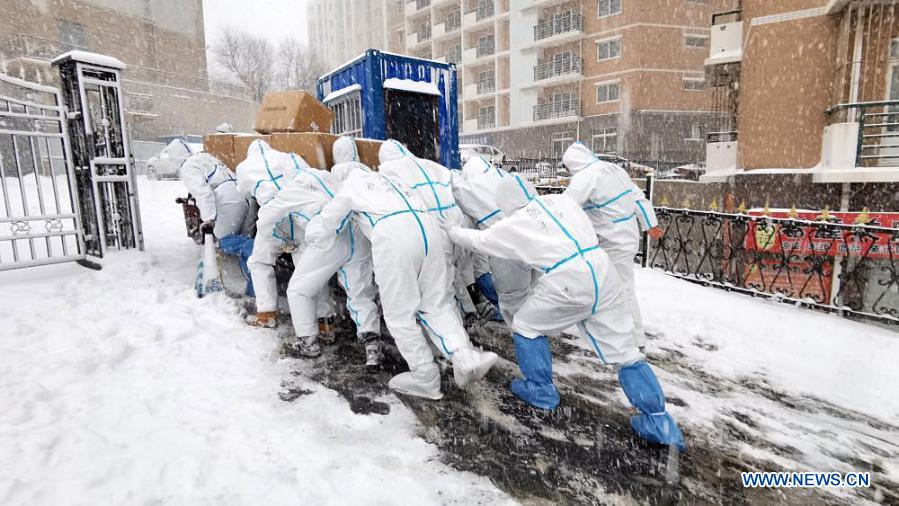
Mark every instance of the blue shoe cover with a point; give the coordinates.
(535, 362)
(644, 393)
(485, 285)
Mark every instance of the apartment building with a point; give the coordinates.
(340, 30)
(163, 42)
(624, 76)
(807, 93)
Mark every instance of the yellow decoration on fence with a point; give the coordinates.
(714, 205)
(767, 210)
(742, 208)
(793, 212)
(664, 201)
(686, 203)
(825, 214)
(864, 217)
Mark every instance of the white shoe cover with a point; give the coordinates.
(423, 382)
(470, 365)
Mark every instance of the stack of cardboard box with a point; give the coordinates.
(292, 122)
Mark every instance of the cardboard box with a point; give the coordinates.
(242, 144)
(221, 146)
(368, 151)
(292, 111)
(315, 148)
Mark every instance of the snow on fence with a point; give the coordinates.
(817, 261)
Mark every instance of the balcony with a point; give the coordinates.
(416, 6)
(560, 28)
(559, 70)
(21, 47)
(861, 143)
(482, 50)
(485, 122)
(480, 89)
(481, 14)
(726, 42)
(557, 109)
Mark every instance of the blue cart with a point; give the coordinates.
(383, 95)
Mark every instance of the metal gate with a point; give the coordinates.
(40, 220)
(101, 152)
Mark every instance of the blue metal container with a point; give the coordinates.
(383, 96)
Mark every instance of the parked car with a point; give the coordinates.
(490, 153)
(161, 167)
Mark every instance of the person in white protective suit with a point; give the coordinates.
(348, 254)
(618, 210)
(433, 184)
(263, 175)
(578, 287)
(224, 211)
(409, 260)
(475, 194)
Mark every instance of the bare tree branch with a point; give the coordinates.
(248, 58)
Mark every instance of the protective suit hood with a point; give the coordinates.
(577, 157)
(344, 150)
(177, 150)
(475, 166)
(340, 172)
(258, 146)
(513, 194)
(391, 151)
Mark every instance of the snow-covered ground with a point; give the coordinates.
(120, 387)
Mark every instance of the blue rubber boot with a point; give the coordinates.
(485, 285)
(536, 363)
(644, 393)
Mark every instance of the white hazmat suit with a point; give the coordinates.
(579, 287)
(213, 187)
(475, 194)
(408, 255)
(348, 254)
(263, 175)
(433, 184)
(617, 209)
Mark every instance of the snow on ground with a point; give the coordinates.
(120, 387)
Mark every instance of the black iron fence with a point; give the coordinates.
(850, 269)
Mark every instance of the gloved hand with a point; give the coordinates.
(207, 227)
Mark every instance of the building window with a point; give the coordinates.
(486, 117)
(608, 8)
(695, 132)
(696, 41)
(608, 49)
(694, 84)
(605, 140)
(607, 92)
(72, 33)
(560, 142)
(347, 115)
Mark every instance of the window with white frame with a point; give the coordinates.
(605, 140)
(608, 49)
(486, 116)
(695, 132)
(347, 114)
(560, 142)
(607, 92)
(608, 8)
(694, 83)
(696, 41)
